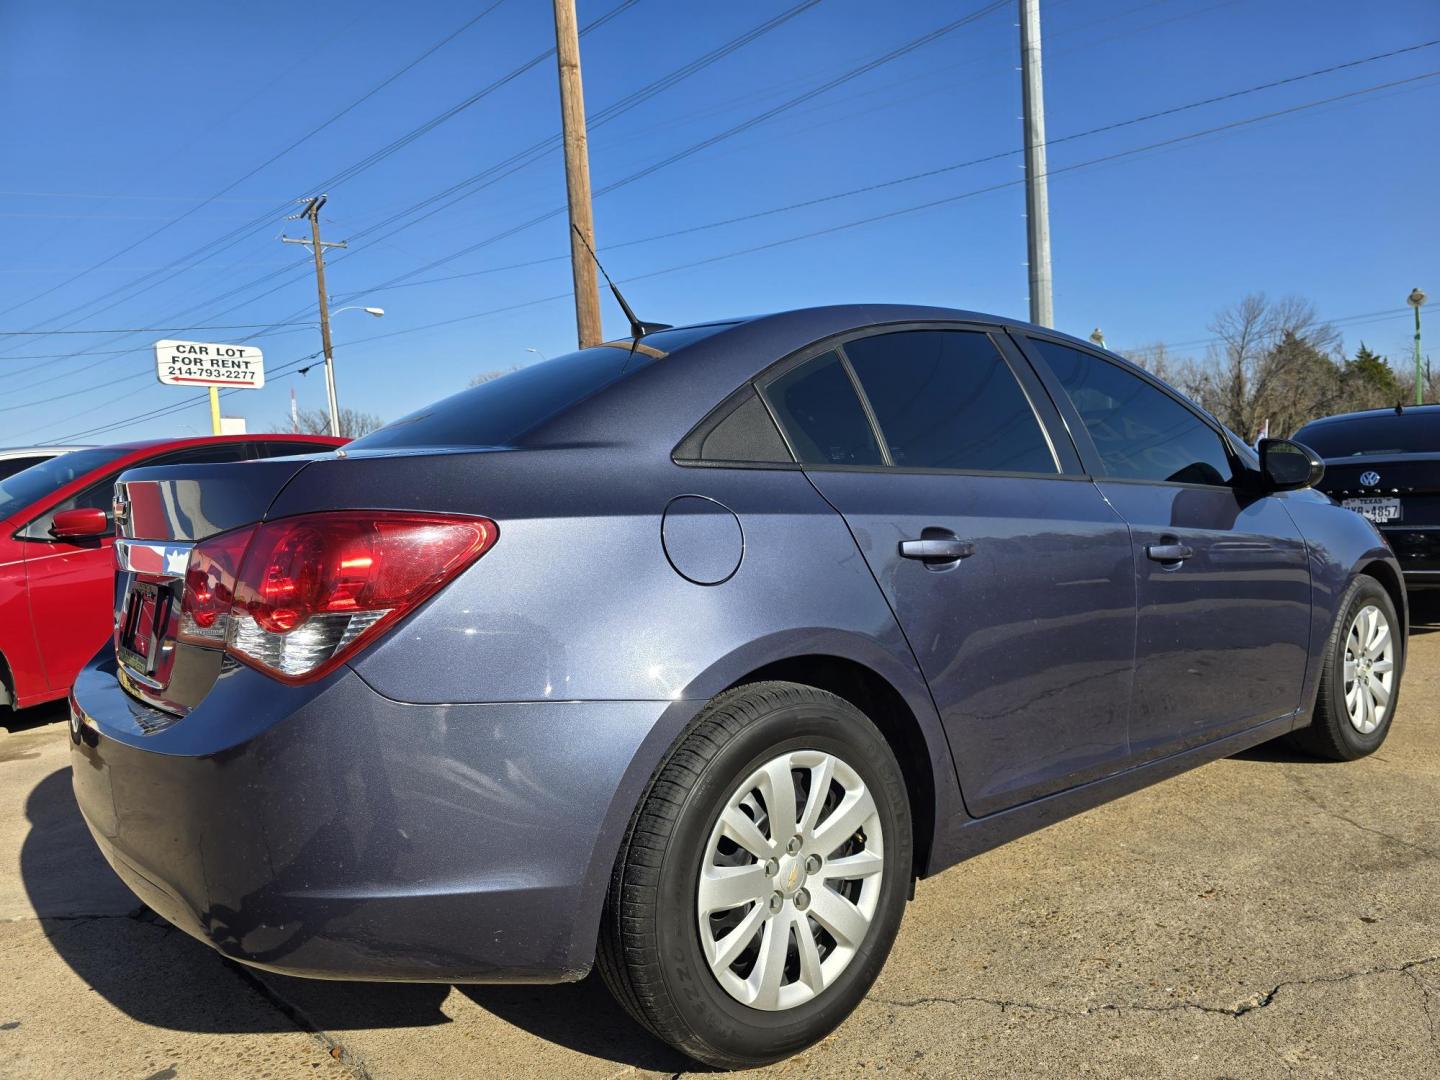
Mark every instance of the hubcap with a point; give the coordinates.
(1369, 669)
(790, 880)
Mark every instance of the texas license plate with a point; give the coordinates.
(1380, 511)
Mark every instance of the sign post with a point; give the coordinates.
(199, 363)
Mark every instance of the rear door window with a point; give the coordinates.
(821, 414)
(946, 399)
(1140, 432)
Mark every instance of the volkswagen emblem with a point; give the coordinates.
(1369, 478)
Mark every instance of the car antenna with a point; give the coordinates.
(638, 329)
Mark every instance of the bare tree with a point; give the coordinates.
(353, 423)
(1274, 364)
(1181, 372)
(490, 376)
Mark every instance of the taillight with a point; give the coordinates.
(297, 596)
(210, 587)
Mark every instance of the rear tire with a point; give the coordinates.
(1360, 682)
(804, 880)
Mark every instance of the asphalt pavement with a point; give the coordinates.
(1266, 915)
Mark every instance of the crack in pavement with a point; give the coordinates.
(1254, 1003)
(1425, 996)
(1309, 797)
(298, 1017)
(294, 1014)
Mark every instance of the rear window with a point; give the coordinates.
(11, 465)
(1391, 433)
(499, 412)
(38, 481)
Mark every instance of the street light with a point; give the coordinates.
(537, 352)
(1416, 299)
(1098, 337)
(329, 366)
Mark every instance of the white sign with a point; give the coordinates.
(196, 363)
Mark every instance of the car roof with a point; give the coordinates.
(660, 402)
(52, 451)
(1428, 408)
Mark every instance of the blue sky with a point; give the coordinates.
(121, 118)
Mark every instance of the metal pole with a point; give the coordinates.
(1419, 374)
(577, 174)
(1037, 198)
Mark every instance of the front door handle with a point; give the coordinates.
(1169, 553)
(937, 549)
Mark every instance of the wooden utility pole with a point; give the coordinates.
(577, 175)
(318, 246)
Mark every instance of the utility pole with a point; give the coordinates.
(577, 175)
(318, 246)
(1416, 300)
(1037, 197)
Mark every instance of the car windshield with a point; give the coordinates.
(1388, 433)
(28, 485)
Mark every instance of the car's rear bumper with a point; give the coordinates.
(330, 832)
(1418, 551)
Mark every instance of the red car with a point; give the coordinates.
(57, 571)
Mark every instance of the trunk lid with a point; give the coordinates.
(1396, 491)
(1393, 474)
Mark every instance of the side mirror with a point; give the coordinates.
(81, 523)
(1289, 466)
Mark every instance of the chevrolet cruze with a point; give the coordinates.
(683, 656)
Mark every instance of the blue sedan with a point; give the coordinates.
(683, 656)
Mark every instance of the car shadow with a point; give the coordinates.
(163, 978)
(1424, 612)
(17, 720)
(583, 1017)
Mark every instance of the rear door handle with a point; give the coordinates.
(937, 550)
(1169, 552)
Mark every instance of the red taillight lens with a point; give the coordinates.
(313, 589)
(210, 587)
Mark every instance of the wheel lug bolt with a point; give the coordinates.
(812, 864)
(772, 867)
(776, 901)
(802, 899)
(794, 845)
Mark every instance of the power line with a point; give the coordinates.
(523, 158)
(905, 210)
(268, 161)
(500, 170)
(146, 330)
(241, 232)
(839, 80)
(941, 170)
(249, 228)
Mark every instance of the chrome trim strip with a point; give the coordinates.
(153, 558)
